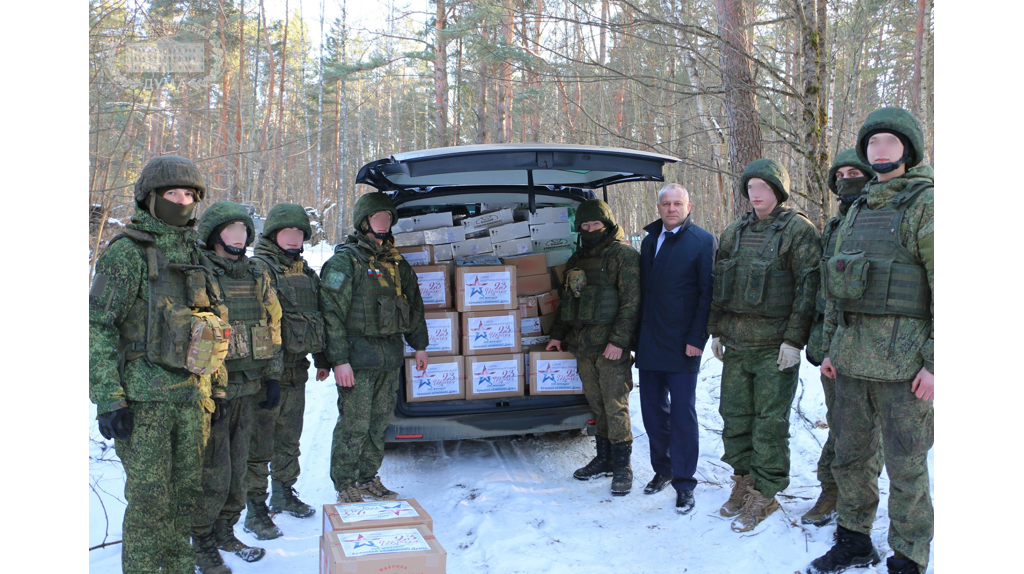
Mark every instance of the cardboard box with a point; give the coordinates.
(495, 376)
(528, 307)
(548, 302)
(403, 225)
(409, 239)
(489, 206)
(443, 334)
(510, 231)
(546, 322)
(513, 247)
(443, 252)
(487, 220)
(444, 235)
(550, 215)
(530, 326)
(435, 286)
(486, 288)
(405, 549)
(554, 373)
(533, 284)
(472, 247)
(432, 221)
(443, 380)
(478, 260)
(557, 273)
(534, 264)
(491, 332)
(379, 514)
(550, 231)
(557, 257)
(554, 244)
(417, 255)
(534, 341)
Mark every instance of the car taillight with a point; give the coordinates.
(408, 436)
(591, 422)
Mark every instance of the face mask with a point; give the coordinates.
(592, 238)
(169, 212)
(850, 188)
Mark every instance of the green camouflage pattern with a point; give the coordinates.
(828, 450)
(755, 405)
(284, 215)
(220, 213)
(607, 385)
(162, 462)
(623, 269)
(224, 468)
(800, 254)
(865, 412)
(169, 171)
(889, 347)
(371, 203)
(896, 120)
(847, 158)
(275, 441)
(594, 210)
(771, 172)
(338, 280)
(357, 448)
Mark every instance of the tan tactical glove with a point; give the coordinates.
(717, 348)
(789, 356)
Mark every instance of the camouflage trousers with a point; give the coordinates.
(357, 450)
(864, 411)
(275, 441)
(828, 451)
(755, 404)
(224, 467)
(162, 461)
(607, 385)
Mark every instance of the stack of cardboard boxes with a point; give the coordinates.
(387, 536)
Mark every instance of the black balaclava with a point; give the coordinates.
(592, 238)
(171, 213)
(850, 188)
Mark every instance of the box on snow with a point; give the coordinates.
(442, 381)
(486, 288)
(550, 215)
(443, 332)
(392, 550)
(490, 332)
(554, 373)
(417, 255)
(510, 231)
(435, 286)
(378, 514)
(495, 376)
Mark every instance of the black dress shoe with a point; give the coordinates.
(684, 501)
(658, 483)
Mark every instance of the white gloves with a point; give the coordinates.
(717, 348)
(789, 356)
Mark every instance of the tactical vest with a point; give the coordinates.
(302, 324)
(379, 308)
(831, 238)
(598, 303)
(251, 344)
(752, 279)
(874, 273)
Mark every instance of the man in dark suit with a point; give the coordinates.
(676, 265)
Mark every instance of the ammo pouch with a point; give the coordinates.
(302, 333)
(846, 274)
(569, 307)
(195, 287)
(238, 343)
(598, 305)
(724, 276)
(757, 280)
(262, 342)
(208, 343)
(395, 315)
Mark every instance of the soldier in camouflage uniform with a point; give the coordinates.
(597, 320)
(275, 439)
(369, 298)
(766, 281)
(253, 360)
(880, 349)
(846, 179)
(146, 295)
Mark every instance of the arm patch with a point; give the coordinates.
(333, 280)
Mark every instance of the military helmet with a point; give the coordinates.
(847, 158)
(221, 213)
(899, 122)
(771, 172)
(284, 215)
(371, 203)
(594, 210)
(168, 171)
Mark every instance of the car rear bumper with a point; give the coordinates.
(488, 425)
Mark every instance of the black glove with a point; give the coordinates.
(273, 395)
(116, 424)
(221, 410)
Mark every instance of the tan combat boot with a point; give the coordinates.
(733, 506)
(755, 509)
(350, 495)
(824, 510)
(376, 490)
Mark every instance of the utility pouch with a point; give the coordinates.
(238, 343)
(208, 344)
(847, 274)
(724, 275)
(757, 281)
(262, 342)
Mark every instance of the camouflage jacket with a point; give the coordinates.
(240, 384)
(383, 352)
(624, 272)
(890, 347)
(800, 253)
(815, 344)
(120, 281)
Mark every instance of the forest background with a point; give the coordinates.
(288, 109)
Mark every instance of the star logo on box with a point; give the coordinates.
(484, 376)
(362, 541)
(396, 508)
(549, 374)
(480, 332)
(476, 287)
(423, 379)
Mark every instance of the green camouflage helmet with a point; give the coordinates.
(371, 203)
(594, 210)
(169, 171)
(898, 121)
(224, 212)
(847, 158)
(284, 215)
(771, 172)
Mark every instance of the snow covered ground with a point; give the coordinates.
(507, 506)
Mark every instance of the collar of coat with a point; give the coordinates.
(656, 227)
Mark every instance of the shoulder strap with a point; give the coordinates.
(148, 244)
(905, 198)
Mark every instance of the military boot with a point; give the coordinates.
(900, 564)
(349, 495)
(258, 522)
(224, 534)
(851, 550)
(600, 465)
(283, 499)
(622, 470)
(376, 490)
(755, 509)
(734, 505)
(208, 560)
(824, 510)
